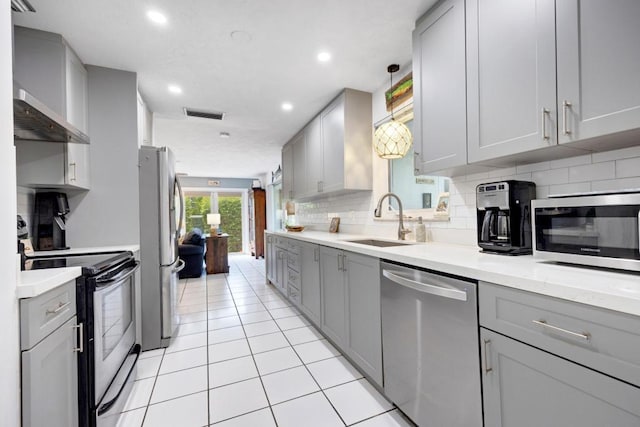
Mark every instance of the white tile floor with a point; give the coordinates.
(244, 357)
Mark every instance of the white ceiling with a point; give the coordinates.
(271, 61)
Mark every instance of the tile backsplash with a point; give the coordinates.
(606, 171)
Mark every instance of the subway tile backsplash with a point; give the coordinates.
(607, 171)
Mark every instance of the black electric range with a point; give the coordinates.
(105, 303)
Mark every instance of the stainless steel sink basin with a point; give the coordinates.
(379, 243)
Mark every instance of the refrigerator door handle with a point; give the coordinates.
(181, 196)
(179, 267)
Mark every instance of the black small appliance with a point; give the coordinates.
(504, 216)
(49, 229)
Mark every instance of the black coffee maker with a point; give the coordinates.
(504, 216)
(49, 229)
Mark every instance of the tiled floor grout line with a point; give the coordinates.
(314, 379)
(254, 361)
(206, 298)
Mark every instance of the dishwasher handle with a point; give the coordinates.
(426, 288)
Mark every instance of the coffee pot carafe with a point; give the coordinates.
(49, 231)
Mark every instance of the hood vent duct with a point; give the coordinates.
(34, 121)
(211, 115)
(21, 6)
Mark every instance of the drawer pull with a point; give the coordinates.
(487, 368)
(61, 306)
(583, 336)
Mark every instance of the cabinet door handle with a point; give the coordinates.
(339, 262)
(586, 336)
(565, 106)
(80, 347)
(316, 254)
(344, 263)
(61, 306)
(487, 368)
(545, 113)
(74, 171)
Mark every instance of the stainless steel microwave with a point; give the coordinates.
(599, 230)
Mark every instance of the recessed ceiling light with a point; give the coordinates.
(324, 57)
(286, 106)
(175, 89)
(157, 17)
(224, 135)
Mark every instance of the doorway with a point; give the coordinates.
(230, 204)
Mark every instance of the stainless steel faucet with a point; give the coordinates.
(378, 213)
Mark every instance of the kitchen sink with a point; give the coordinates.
(379, 243)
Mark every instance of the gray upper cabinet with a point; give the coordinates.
(439, 89)
(46, 66)
(299, 159)
(310, 281)
(314, 161)
(511, 77)
(287, 172)
(48, 165)
(362, 274)
(334, 149)
(598, 68)
(527, 387)
(333, 140)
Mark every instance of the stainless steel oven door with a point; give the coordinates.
(114, 331)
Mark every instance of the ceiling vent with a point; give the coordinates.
(21, 6)
(211, 115)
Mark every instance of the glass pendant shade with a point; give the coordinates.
(392, 140)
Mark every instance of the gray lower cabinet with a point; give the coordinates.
(551, 362)
(334, 304)
(270, 265)
(310, 281)
(350, 285)
(50, 380)
(527, 387)
(48, 341)
(362, 274)
(281, 269)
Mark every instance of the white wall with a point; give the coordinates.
(9, 337)
(109, 213)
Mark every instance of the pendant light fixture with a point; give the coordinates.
(392, 140)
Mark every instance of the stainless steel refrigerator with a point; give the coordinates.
(161, 210)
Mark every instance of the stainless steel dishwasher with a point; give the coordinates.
(431, 346)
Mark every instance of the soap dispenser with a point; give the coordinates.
(421, 231)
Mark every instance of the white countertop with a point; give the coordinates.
(36, 282)
(89, 250)
(619, 291)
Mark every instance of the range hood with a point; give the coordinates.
(34, 121)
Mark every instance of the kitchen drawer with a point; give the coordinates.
(293, 247)
(293, 294)
(603, 340)
(294, 278)
(280, 242)
(293, 261)
(41, 315)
